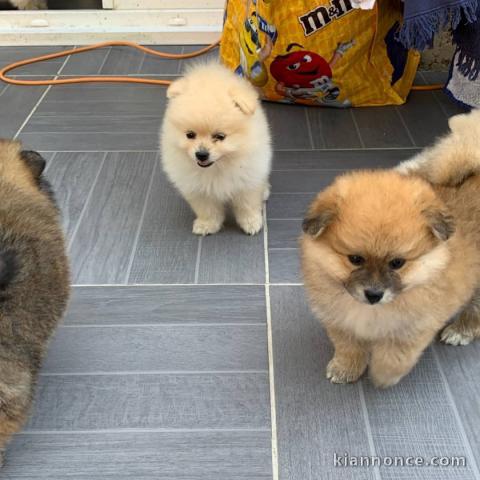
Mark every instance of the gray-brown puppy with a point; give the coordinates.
(34, 280)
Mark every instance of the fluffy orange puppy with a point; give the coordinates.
(388, 259)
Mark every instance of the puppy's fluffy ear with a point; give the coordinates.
(315, 226)
(441, 223)
(34, 161)
(176, 88)
(245, 98)
(321, 214)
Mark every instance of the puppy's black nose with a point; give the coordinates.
(202, 155)
(373, 296)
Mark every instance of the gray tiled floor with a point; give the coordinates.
(162, 369)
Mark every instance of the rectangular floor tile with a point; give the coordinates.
(166, 250)
(459, 365)
(103, 108)
(448, 105)
(86, 63)
(158, 348)
(104, 242)
(166, 304)
(173, 401)
(284, 266)
(381, 127)
(71, 124)
(158, 65)
(285, 205)
(17, 104)
(210, 55)
(72, 176)
(232, 455)
(284, 233)
(422, 412)
(333, 128)
(231, 256)
(315, 419)
(340, 159)
(92, 93)
(289, 126)
(301, 181)
(424, 118)
(48, 67)
(91, 141)
(122, 61)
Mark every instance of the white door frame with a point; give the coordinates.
(81, 27)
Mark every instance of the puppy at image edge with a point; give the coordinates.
(389, 258)
(215, 147)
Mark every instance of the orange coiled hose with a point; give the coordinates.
(90, 79)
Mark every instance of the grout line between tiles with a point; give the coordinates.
(142, 63)
(197, 261)
(87, 201)
(282, 219)
(105, 61)
(405, 126)
(152, 372)
(140, 285)
(456, 414)
(271, 370)
(159, 324)
(368, 428)
(141, 430)
(213, 284)
(278, 219)
(49, 162)
(180, 63)
(140, 223)
(4, 89)
(44, 94)
(309, 129)
(440, 104)
(107, 53)
(357, 128)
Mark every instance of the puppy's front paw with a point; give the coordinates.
(338, 373)
(205, 226)
(452, 335)
(251, 224)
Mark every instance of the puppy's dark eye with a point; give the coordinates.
(356, 260)
(396, 263)
(191, 135)
(218, 136)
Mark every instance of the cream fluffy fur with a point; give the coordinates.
(211, 100)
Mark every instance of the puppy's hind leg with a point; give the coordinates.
(210, 214)
(467, 326)
(247, 207)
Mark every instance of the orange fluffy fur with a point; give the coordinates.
(383, 215)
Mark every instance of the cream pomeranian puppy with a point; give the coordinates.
(389, 257)
(216, 148)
